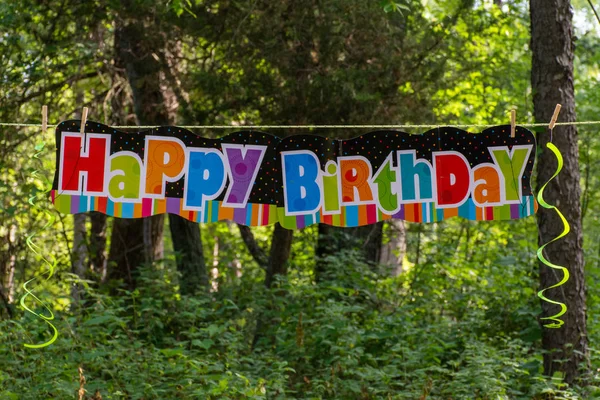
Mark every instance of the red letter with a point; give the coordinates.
(452, 177)
(76, 162)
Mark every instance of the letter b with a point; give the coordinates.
(302, 182)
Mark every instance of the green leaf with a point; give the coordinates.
(205, 344)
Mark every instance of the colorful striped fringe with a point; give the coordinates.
(267, 214)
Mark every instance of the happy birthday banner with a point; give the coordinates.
(257, 179)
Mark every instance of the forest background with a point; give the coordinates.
(162, 308)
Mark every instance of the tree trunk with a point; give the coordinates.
(9, 266)
(326, 245)
(79, 255)
(281, 245)
(98, 245)
(370, 237)
(552, 83)
(80, 251)
(333, 239)
(8, 277)
(126, 251)
(392, 252)
(7, 271)
(155, 103)
(135, 241)
(214, 272)
(187, 243)
(138, 42)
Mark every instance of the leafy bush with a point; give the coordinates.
(354, 336)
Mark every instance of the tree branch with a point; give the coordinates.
(594, 10)
(257, 252)
(57, 85)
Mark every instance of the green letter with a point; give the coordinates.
(385, 178)
(512, 166)
(124, 176)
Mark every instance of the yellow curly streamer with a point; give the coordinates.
(556, 321)
(50, 263)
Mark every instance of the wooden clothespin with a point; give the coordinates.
(513, 122)
(44, 119)
(84, 114)
(554, 117)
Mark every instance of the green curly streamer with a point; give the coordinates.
(556, 321)
(51, 263)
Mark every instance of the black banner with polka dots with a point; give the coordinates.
(300, 175)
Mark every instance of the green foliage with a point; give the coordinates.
(357, 335)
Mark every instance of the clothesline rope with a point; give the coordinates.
(410, 126)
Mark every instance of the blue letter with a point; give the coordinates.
(415, 178)
(301, 182)
(205, 177)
